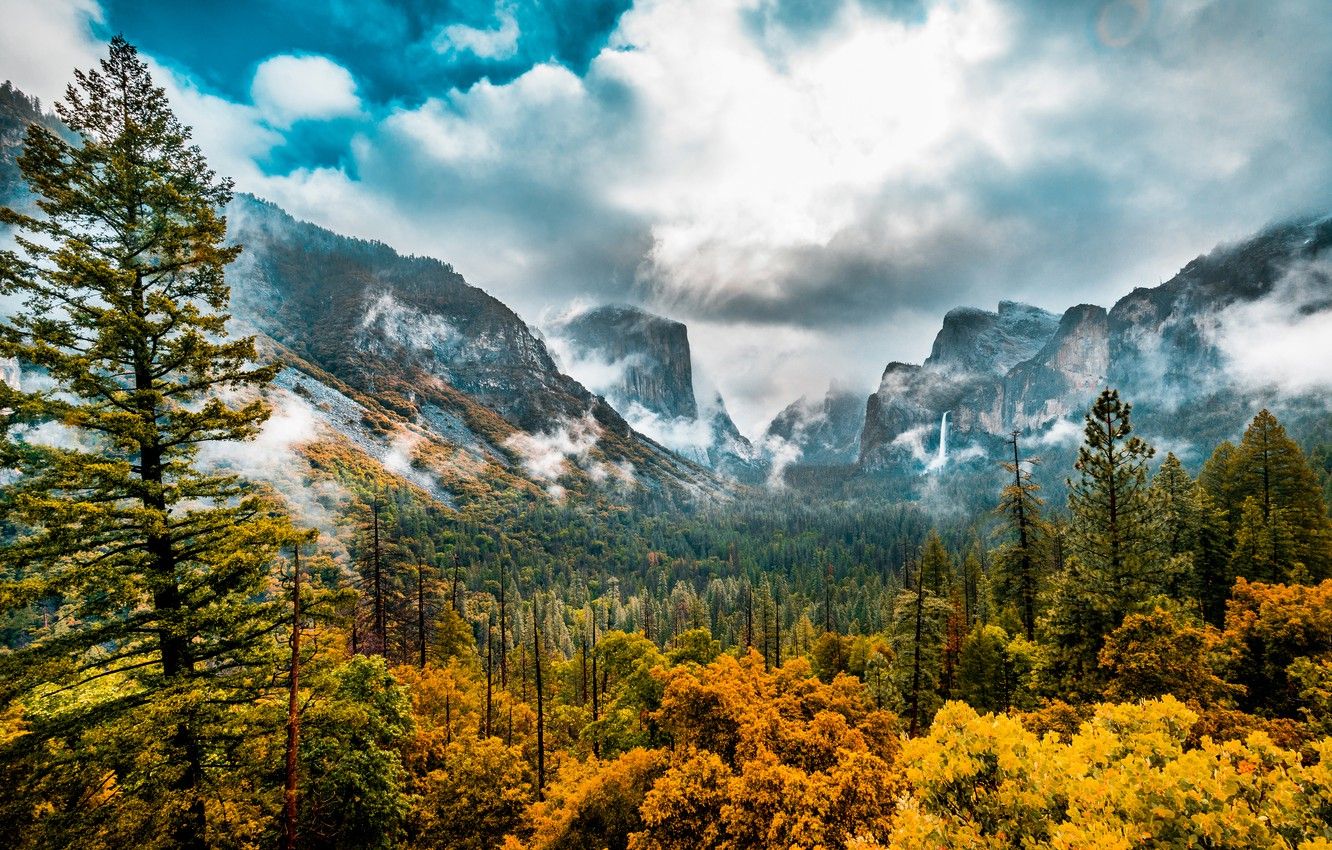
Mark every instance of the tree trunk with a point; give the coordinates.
(293, 715)
(915, 662)
(541, 705)
(596, 697)
(421, 614)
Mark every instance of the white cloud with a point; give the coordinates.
(231, 135)
(545, 455)
(411, 328)
(498, 43)
(42, 43)
(1283, 340)
(780, 454)
(1062, 432)
(870, 175)
(289, 88)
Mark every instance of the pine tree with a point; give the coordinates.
(1211, 558)
(917, 635)
(936, 566)
(1019, 564)
(1174, 493)
(159, 567)
(1217, 478)
(1114, 527)
(1264, 545)
(1115, 566)
(1269, 467)
(1173, 490)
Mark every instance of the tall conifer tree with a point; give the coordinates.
(156, 564)
(1270, 468)
(1115, 565)
(1020, 563)
(1114, 527)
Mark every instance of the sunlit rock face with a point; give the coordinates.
(1069, 369)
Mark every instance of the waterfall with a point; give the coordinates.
(942, 457)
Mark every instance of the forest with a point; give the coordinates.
(1142, 658)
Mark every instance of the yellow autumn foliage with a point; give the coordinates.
(1124, 780)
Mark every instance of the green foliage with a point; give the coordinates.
(1117, 565)
(917, 634)
(1115, 524)
(1157, 653)
(994, 671)
(1273, 502)
(695, 645)
(353, 781)
(1270, 467)
(152, 570)
(1021, 563)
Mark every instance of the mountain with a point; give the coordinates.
(17, 111)
(440, 354)
(395, 368)
(963, 376)
(826, 431)
(642, 365)
(648, 357)
(1186, 353)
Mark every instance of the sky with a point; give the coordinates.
(808, 184)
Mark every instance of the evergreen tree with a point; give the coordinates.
(158, 568)
(1020, 561)
(1173, 490)
(1264, 545)
(917, 634)
(1115, 566)
(1211, 557)
(1114, 523)
(1174, 493)
(1270, 468)
(1217, 478)
(936, 566)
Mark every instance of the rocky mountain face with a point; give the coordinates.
(412, 334)
(1175, 351)
(826, 431)
(964, 375)
(396, 366)
(641, 363)
(647, 357)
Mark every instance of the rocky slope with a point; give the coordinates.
(440, 354)
(1179, 351)
(642, 365)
